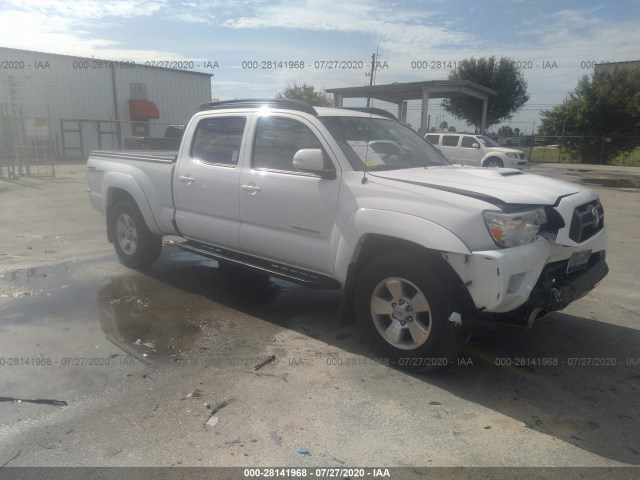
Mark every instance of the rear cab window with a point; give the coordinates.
(450, 140)
(217, 140)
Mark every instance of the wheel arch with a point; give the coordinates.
(376, 229)
(356, 249)
(491, 155)
(118, 187)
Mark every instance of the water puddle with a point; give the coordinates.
(74, 330)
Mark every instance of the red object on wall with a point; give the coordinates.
(143, 110)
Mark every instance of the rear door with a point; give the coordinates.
(470, 152)
(287, 216)
(207, 181)
(449, 147)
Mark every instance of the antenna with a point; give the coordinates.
(366, 152)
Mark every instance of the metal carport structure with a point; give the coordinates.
(400, 93)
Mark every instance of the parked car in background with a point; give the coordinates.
(476, 150)
(170, 141)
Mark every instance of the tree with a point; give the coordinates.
(516, 132)
(443, 126)
(503, 76)
(603, 106)
(305, 93)
(505, 131)
(451, 129)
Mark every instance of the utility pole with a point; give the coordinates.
(533, 131)
(372, 75)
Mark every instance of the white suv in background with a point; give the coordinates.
(476, 150)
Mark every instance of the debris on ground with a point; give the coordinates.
(212, 422)
(42, 401)
(303, 451)
(267, 361)
(215, 410)
(197, 393)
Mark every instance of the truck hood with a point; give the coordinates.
(497, 186)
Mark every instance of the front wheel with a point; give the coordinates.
(402, 307)
(493, 162)
(134, 243)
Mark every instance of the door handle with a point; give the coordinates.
(187, 179)
(250, 188)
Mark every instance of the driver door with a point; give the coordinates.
(287, 216)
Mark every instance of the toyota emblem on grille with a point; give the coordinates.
(596, 216)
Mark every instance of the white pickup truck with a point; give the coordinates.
(337, 198)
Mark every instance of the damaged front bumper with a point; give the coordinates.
(530, 277)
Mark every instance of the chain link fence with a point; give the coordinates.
(595, 149)
(31, 145)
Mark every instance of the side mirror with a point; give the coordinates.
(311, 160)
(475, 145)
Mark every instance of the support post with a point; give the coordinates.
(423, 111)
(485, 107)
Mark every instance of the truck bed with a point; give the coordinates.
(147, 177)
(148, 156)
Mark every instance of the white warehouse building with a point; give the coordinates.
(62, 107)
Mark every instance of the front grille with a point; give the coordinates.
(588, 219)
(521, 155)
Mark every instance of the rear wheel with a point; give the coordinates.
(134, 243)
(493, 162)
(402, 308)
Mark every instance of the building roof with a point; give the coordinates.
(398, 92)
(93, 59)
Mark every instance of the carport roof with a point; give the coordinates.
(399, 92)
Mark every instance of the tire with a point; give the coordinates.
(493, 162)
(134, 243)
(402, 307)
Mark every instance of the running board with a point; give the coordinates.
(274, 269)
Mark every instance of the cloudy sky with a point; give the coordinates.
(418, 40)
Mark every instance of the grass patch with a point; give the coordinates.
(557, 155)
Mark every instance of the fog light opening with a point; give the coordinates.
(515, 282)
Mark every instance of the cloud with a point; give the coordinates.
(67, 27)
(399, 30)
(47, 33)
(89, 9)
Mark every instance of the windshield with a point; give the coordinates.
(381, 144)
(488, 142)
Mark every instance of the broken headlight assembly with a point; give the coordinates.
(516, 228)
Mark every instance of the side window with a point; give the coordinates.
(450, 140)
(277, 141)
(467, 142)
(217, 140)
(432, 139)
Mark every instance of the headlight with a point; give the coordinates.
(512, 229)
(512, 155)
